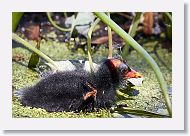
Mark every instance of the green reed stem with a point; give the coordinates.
(55, 25)
(89, 35)
(132, 32)
(109, 40)
(65, 14)
(32, 48)
(169, 16)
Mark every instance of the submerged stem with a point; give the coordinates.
(129, 40)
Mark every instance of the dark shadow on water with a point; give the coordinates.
(18, 45)
(133, 92)
(130, 92)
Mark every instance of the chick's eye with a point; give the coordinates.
(123, 67)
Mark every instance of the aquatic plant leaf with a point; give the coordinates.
(138, 112)
(132, 31)
(100, 40)
(134, 25)
(34, 59)
(16, 16)
(148, 23)
(82, 22)
(33, 32)
(122, 96)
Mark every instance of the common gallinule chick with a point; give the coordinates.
(79, 90)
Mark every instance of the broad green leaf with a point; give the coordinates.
(16, 16)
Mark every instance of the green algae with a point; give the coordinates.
(149, 97)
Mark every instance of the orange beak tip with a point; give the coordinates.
(134, 74)
(138, 75)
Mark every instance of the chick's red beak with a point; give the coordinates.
(133, 74)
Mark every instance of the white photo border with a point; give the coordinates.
(174, 123)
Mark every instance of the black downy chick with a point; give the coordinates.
(79, 90)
